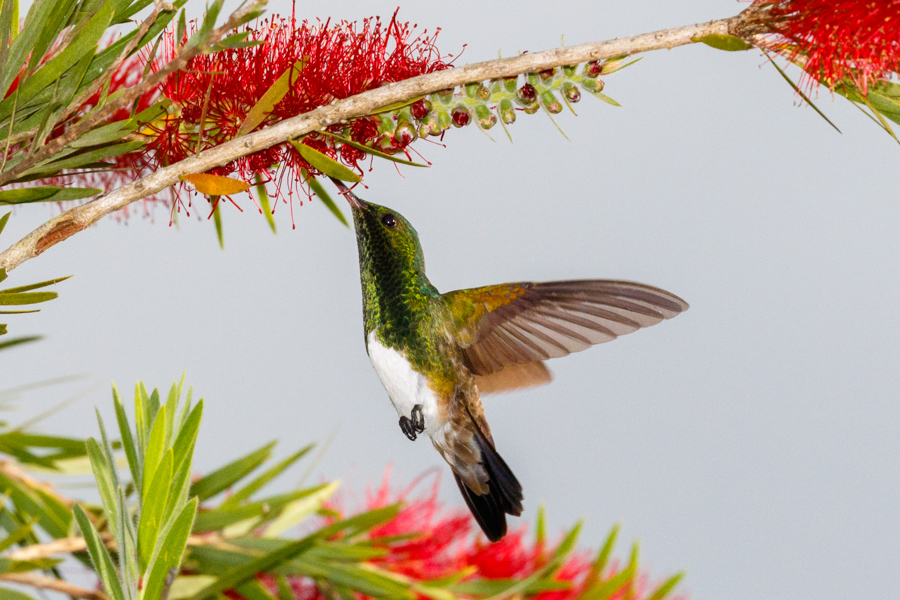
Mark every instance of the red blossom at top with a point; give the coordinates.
(855, 40)
(341, 59)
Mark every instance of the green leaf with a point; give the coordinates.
(187, 435)
(325, 164)
(3, 221)
(155, 450)
(8, 594)
(319, 191)
(226, 476)
(605, 98)
(371, 151)
(23, 195)
(42, 17)
(798, 90)
(885, 98)
(251, 488)
(18, 340)
(217, 219)
(17, 534)
(599, 563)
(264, 204)
(219, 518)
(153, 508)
(33, 286)
(169, 552)
(81, 160)
(103, 475)
(99, 555)
(721, 41)
(106, 134)
(667, 586)
(254, 590)
(17, 299)
(127, 440)
(236, 576)
(266, 104)
(299, 510)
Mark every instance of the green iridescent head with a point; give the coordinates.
(387, 241)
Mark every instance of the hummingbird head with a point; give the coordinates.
(388, 243)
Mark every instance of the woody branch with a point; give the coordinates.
(80, 217)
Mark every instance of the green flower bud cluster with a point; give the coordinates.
(489, 102)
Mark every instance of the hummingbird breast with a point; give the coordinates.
(405, 386)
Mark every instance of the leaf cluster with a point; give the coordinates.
(157, 534)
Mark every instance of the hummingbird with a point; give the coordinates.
(436, 354)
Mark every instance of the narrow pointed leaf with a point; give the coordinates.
(153, 509)
(251, 488)
(127, 440)
(266, 104)
(372, 151)
(99, 556)
(235, 577)
(104, 477)
(319, 191)
(721, 41)
(799, 91)
(33, 286)
(16, 299)
(154, 451)
(3, 221)
(226, 476)
(325, 164)
(667, 586)
(169, 552)
(264, 204)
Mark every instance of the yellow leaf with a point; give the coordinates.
(215, 185)
(273, 96)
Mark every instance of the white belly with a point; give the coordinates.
(405, 386)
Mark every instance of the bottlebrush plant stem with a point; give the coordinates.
(80, 217)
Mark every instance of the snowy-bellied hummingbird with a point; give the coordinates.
(436, 354)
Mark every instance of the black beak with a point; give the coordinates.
(346, 193)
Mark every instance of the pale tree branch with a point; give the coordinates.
(71, 545)
(44, 582)
(76, 219)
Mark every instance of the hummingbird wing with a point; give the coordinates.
(520, 324)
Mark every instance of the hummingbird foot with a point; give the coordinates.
(414, 424)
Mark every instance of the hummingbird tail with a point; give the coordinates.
(504, 494)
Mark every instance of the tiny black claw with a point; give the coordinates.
(408, 428)
(418, 419)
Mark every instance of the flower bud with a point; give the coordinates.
(420, 108)
(385, 143)
(532, 108)
(593, 85)
(460, 116)
(571, 92)
(547, 74)
(486, 118)
(526, 95)
(483, 93)
(405, 134)
(510, 83)
(443, 121)
(507, 112)
(386, 125)
(471, 89)
(445, 95)
(551, 103)
(593, 68)
(570, 70)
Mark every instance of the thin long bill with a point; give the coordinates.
(354, 201)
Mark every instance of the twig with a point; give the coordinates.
(51, 583)
(129, 95)
(80, 217)
(77, 544)
(11, 470)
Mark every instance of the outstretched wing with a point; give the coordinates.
(511, 324)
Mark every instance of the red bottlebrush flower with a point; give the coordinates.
(215, 91)
(836, 40)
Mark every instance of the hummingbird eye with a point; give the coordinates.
(389, 220)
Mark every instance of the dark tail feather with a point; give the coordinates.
(504, 495)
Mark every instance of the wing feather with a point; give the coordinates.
(514, 324)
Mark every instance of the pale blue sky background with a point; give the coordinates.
(752, 441)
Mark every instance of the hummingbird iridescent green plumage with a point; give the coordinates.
(436, 354)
